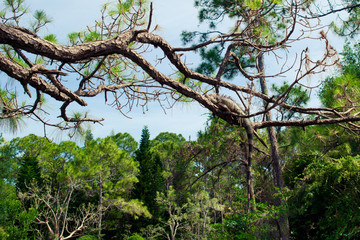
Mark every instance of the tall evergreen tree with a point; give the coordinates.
(29, 173)
(150, 177)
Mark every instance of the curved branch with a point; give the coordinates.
(76, 120)
(304, 123)
(33, 44)
(350, 7)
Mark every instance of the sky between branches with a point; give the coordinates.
(172, 16)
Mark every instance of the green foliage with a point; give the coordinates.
(8, 165)
(74, 38)
(13, 122)
(295, 96)
(200, 208)
(53, 158)
(150, 177)
(270, 25)
(253, 225)
(135, 237)
(177, 217)
(15, 221)
(167, 148)
(220, 151)
(125, 142)
(87, 237)
(211, 60)
(123, 7)
(188, 220)
(108, 172)
(51, 38)
(13, 10)
(325, 190)
(92, 36)
(349, 26)
(321, 196)
(187, 37)
(331, 141)
(351, 58)
(41, 19)
(268, 13)
(52, 175)
(253, 4)
(29, 174)
(165, 137)
(342, 91)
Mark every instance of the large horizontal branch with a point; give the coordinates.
(304, 123)
(176, 61)
(33, 44)
(120, 45)
(165, 80)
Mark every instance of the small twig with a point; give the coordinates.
(150, 17)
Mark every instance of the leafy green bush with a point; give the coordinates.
(323, 204)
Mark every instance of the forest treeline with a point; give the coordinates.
(170, 188)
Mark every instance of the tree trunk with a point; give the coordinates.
(100, 207)
(283, 223)
(251, 195)
(249, 182)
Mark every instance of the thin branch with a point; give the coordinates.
(332, 11)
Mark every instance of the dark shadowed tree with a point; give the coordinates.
(150, 177)
(29, 173)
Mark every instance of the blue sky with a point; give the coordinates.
(172, 16)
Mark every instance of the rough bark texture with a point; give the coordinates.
(55, 88)
(229, 106)
(275, 157)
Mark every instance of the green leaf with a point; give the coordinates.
(254, 4)
(73, 37)
(51, 38)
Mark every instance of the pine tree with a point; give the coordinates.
(150, 177)
(29, 173)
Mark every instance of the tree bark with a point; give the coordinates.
(100, 207)
(249, 179)
(250, 187)
(283, 223)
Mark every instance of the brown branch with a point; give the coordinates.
(23, 40)
(102, 88)
(222, 164)
(76, 120)
(304, 123)
(350, 7)
(118, 45)
(30, 43)
(24, 75)
(91, 74)
(150, 17)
